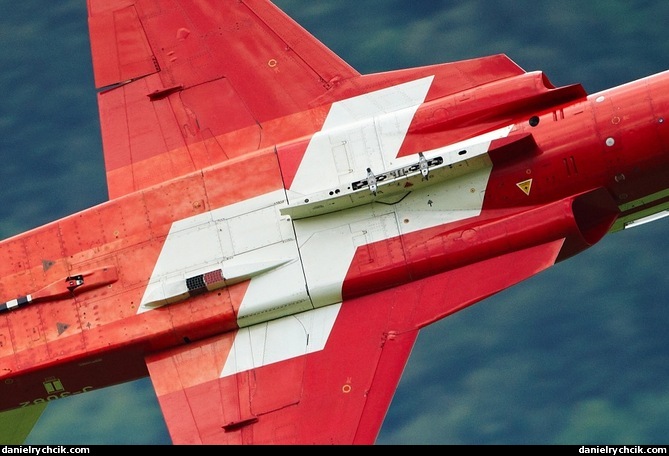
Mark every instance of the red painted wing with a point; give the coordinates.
(186, 85)
(337, 395)
(179, 75)
(334, 396)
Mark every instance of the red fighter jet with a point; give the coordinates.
(280, 226)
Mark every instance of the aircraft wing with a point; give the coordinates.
(185, 85)
(176, 77)
(326, 375)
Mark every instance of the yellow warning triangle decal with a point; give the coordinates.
(525, 186)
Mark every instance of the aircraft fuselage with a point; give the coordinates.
(409, 190)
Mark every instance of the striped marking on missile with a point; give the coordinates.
(16, 303)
